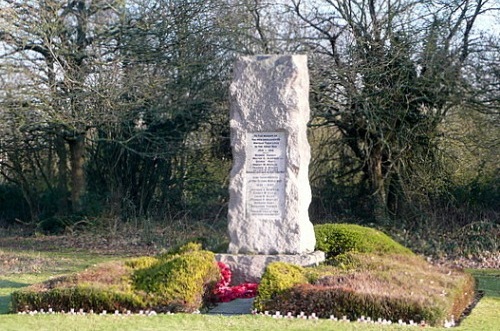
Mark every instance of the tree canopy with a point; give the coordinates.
(118, 109)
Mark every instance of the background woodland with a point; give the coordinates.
(114, 113)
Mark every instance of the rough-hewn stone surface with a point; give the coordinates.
(269, 188)
(250, 268)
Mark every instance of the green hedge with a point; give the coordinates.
(79, 297)
(177, 281)
(331, 300)
(336, 239)
(368, 274)
(278, 277)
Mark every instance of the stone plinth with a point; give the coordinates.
(269, 187)
(249, 268)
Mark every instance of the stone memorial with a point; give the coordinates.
(268, 216)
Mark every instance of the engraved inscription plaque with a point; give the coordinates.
(265, 175)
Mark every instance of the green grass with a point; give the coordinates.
(483, 317)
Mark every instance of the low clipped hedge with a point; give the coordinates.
(177, 281)
(336, 239)
(279, 277)
(79, 297)
(400, 287)
(338, 301)
(367, 274)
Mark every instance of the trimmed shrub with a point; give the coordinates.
(171, 282)
(330, 300)
(104, 287)
(378, 286)
(79, 297)
(141, 262)
(180, 282)
(184, 248)
(336, 239)
(277, 277)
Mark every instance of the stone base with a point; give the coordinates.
(249, 268)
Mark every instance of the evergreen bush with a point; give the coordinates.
(278, 277)
(176, 281)
(368, 274)
(336, 239)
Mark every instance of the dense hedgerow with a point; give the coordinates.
(80, 297)
(177, 281)
(338, 301)
(336, 239)
(367, 274)
(391, 287)
(279, 276)
(104, 287)
(388, 286)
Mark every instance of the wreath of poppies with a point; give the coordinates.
(225, 293)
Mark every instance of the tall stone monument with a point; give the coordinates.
(269, 188)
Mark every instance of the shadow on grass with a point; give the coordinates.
(5, 299)
(9, 284)
(4, 304)
(490, 284)
(488, 281)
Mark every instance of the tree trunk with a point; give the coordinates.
(77, 152)
(377, 183)
(62, 176)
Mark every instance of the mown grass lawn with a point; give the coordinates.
(484, 317)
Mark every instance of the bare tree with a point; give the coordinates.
(56, 51)
(175, 68)
(385, 75)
